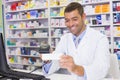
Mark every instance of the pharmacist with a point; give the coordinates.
(85, 50)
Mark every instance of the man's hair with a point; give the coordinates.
(73, 6)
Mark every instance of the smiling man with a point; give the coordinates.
(85, 50)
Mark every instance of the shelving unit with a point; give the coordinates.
(27, 32)
(116, 26)
(26, 26)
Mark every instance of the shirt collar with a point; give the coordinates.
(80, 36)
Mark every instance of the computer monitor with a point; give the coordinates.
(3, 59)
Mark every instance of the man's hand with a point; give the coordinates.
(67, 62)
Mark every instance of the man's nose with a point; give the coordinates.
(71, 23)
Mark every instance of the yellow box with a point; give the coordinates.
(98, 9)
(105, 8)
(62, 11)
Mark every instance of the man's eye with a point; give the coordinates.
(66, 20)
(75, 19)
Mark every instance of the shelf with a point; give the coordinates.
(27, 64)
(27, 37)
(116, 36)
(24, 46)
(26, 10)
(55, 37)
(58, 6)
(58, 27)
(100, 25)
(116, 48)
(92, 3)
(25, 19)
(108, 36)
(96, 3)
(118, 24)
(30, 56)
(115, 0)
(94, 14)
(57, 16)
(12, 1)
(46, 27)
(116, 12)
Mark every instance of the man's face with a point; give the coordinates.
(75, 22)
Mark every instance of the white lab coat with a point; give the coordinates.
(92, 53)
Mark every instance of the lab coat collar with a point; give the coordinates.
(80, 36)
(84, 38)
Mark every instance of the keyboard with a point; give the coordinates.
(22, 75)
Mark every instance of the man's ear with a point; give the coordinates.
(84, 16)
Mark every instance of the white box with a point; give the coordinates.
(54, 56)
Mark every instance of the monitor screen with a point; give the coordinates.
(3, 59)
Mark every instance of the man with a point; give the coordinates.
(85, 50)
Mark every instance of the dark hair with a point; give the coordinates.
(74, 5)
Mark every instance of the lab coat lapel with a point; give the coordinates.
(84, 39)
(72, 42)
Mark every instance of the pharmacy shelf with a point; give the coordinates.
(96, 3)
(26, 64)
(115, 0)
(116, 12)
(35, 56)
(57, 6)
(100, 25)
(117, 24)
(12, 1)
(46, 27)
(24, 46)
(55, 36)
(56, 16)
(94, 14)
(16, 20)
(41, 8)
(27, 37)
(58, 26)
(84, 4)
(116, 27)
(116, 36)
